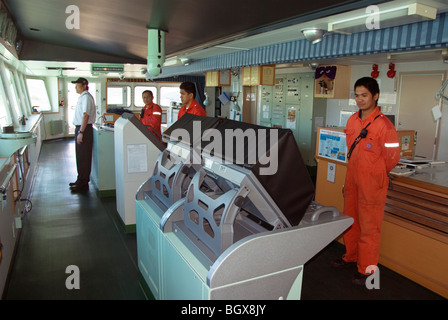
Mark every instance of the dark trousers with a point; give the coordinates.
(84, 154)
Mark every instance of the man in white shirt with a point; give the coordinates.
(85, 114)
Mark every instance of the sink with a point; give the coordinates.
(11, 142)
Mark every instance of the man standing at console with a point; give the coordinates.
(85, 114)
(188, 99)
(151, 115)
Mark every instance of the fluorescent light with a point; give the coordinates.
(387, 18)
(172, 62)
(420, 55)
(231, 48)
(175, 61)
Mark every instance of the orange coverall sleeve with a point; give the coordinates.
(391, 148)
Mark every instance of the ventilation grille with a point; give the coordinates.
(56, 127)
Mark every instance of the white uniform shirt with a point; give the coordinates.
(86, 104)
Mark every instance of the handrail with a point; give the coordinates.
(5, 184)
(22, 150)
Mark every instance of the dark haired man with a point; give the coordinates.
(373, 151)
(188, 99)
(85, 114)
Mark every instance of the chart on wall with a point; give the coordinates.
(332, 145)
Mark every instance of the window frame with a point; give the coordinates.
(46, 90)
(125, 94)
(14, 101)
(133, 85)
(163, 85)
(4, 99)
(26, 94)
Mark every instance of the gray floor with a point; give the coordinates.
(84, 230)
(323, 282)
(65, 229)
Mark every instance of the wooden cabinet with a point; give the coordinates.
(211, 79)
(331, 166)
(337, 88)
(217, 78)
(258, 75)
(414, 236)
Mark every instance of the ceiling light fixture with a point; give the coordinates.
(313, 65)
(175, 61)
(314, 35)
(185, 61)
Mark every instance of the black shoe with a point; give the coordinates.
(341, 263)
(71, 184)
(360, 278)
(79, 188)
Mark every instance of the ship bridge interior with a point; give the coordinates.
(48, 233)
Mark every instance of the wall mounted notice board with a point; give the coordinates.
(331, 144)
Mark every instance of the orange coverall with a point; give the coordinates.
(366, 185)
(152, 118)
(194, 108)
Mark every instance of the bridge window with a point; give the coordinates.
(168, 95)
(129, 94)
(38, 95)
(5, 119)
(119, 96)
(13, 93)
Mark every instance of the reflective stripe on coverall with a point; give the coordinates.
(152, 118)
(366, 185)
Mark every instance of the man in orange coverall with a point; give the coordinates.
(151, 115)
(372, 157)
(188, 99)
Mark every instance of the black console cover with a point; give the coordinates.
(290, 186)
